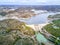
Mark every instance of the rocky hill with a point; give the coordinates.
(14, 32)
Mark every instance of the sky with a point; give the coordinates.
(30, 2)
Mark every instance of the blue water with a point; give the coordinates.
(38, 19)
(41, 38)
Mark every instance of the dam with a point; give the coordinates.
(41, 38)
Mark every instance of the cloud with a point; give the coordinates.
(23, 1)
(2, 1)
(34, 1)
(30, 1)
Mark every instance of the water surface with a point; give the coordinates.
(39, 19)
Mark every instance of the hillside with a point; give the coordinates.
(14, 32)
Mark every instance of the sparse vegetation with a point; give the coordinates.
(3, 13)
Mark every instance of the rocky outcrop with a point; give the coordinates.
(19, 13)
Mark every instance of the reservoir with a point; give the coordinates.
(40, 19)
